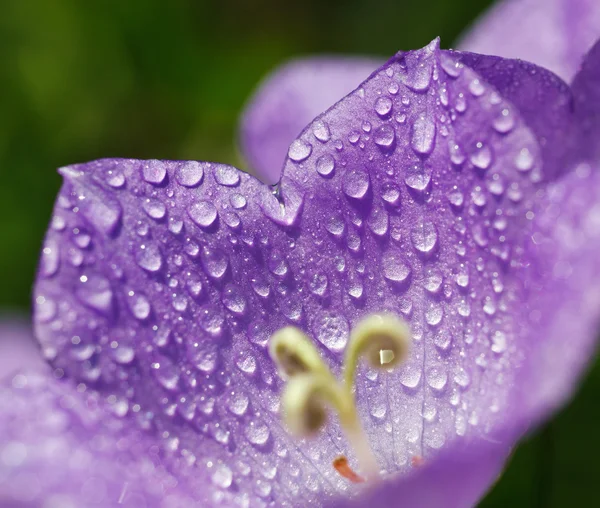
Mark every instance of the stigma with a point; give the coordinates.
(312, 391)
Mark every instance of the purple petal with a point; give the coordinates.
(554, 34)
(287, 100)
(17, 347)
(416, 202)
(69, 448)
(586, 92)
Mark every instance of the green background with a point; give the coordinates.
(83, 79)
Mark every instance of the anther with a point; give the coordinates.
(294, 353)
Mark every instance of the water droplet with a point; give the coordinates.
(211, 320)
(482, 157)
(378, 221)
(285, 209)
(437, 378)
(524, 160)
(383, 106)
(261, 286)
(433, 281)
(222, 477)
(384, 136)
(332, 330)
(456, 198)
(154, 208)
(394, 268)
(165, 372)
(423, 135)
(96, 293)
(123, 354)
(233, 299)
(434, 314)
(148, 257)
(50, 260)
(410, 376)
(214, 262)
(356, 183)
(237, 201)
(391, 194)
(115, 178)
(139, 305)
(321, 131)
(154, 172)
(420, 76)
(299, 150)
(203, 213)
(504, 122)
(462, 378)
(476, 87)
(325, 165)
(257, 433)
(462, 277)
(417, 178)
(499, 342)
(318, 284)
(227, 175)
(478, 197)
(424, 237)
(189, 174)
(443, 340)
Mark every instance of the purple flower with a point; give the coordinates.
(442, 220)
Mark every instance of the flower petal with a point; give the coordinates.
(17, 347)
(161, 282)
(586, 92)
(287, 100)
(554, 34)
(64, 447)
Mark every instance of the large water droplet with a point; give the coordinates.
(423, 135)
(356, 183)
(96, 293)
(299, 150)
(211, 320)
(384, 136)
(325, 165)
(524, 160)
(154, 208)
(383, 106)
(203, 213)
(482, 156)
(424, 237)
(189, 174)
(214, 262)
(227, 175)
(437, 378)
(394, 268)
(321, 131)
(417, 178)
(139, 305)
(50, 260)
(233, 299)
(165, 372)
(154, 172)
(148, 257)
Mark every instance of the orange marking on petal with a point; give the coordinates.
(417, 461)
(341, 465)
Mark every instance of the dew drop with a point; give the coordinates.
(423, 135)
(227, 176)
(395, 269)
(437, 378)
(504, 122)
(355, 184)
(321, 131)
(299, 150)
(50, 260)
(237, 201)
(233, 299)
(139, 305)
(154, 172)
(325, 165)
(189, 174)
(524, 160)
(384, 136)
(96, 293)
(203, 213)
(482, 157)
(154, 208)
(148, 257)
(383, 106)
(424, 237)
(214, 262)
(417, 178)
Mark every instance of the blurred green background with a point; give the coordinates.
(81, 80)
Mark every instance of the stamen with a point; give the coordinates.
(340, 464)
(312, 388)
(294, 353)
(384, 340)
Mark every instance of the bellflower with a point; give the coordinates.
(418, 288)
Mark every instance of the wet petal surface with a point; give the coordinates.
(161, 282)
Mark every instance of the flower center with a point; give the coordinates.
(312, 389)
